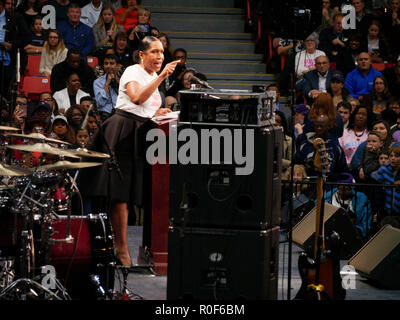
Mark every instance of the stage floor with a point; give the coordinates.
(153, 287)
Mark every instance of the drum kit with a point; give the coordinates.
(46, 253)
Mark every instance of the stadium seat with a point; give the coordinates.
(332, 65)
(33, 86)
(379, 66)
(33, 64)
(92, 61)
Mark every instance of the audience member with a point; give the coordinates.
(370, 160)
(36, 41)
(73, 27)
(75, 116)
(346, 60)
(392, 76)
(301, 113)
(106, 88)
(71, 94)
(318, 80)
(305, 59)
(54, 52)
(122, 50)
(61, 130)
(375, 44)
(360, 123)
(142, 29)
(46, 97)
(20, 112)
(333, 40)
(337, 90)
(72, 64)
(354, 203)
(168, 57)
(106, 28)
(392, 111)
(328, 12)
(29, 9)
(90, 12)
(127, 16)
(391, 26)
(359, 81)
(344, 110)
(280, 121)
(179, 54)
(383, 128)
(377, 99)
(363, 17)
(61, 7)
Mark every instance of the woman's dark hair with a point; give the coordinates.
(389, 139)
(344, 104)
(283, 121)
(146, 42)
(370, 117)
(34, 120)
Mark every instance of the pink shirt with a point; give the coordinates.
(350, 142)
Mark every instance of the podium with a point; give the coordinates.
(157, 217)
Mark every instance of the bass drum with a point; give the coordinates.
(89, 255)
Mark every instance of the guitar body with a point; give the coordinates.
(329, 276)
(321, 275)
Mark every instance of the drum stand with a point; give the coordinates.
(25, 287)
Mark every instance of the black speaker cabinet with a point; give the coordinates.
(379, 258)
(335, 219)
(222, 264)
(218, 197)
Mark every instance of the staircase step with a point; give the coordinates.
(234, 25)
(191, 3)
(225, 56)
(196, 10)
(212, 46)
(227, 66)
(239, 85)
(207, 35)
(157, 16)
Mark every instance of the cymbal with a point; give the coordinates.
(37, 136)
(69, 165)
(14, 172)
(9, 128)
(44, 148)
(83, 152)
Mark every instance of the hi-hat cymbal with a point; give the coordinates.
(5, 128)
(37, 136)
(14, 172)
(83, 152)
(60, 165)
(44, 148)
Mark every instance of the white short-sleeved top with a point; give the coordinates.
(148, 108)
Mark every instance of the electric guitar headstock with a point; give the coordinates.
(321, 162)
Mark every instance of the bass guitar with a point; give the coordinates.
(320, 274)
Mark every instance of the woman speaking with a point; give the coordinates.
(138, 101)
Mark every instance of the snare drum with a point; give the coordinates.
(90, 253)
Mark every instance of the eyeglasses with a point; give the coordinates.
(19, 103)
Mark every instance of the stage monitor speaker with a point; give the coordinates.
(379, 258)
(217, 197)
(222, 264)
(335, 219)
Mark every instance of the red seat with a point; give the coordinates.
(33, 64)
(92, 61)
(379, 66)
(332, 65)
(34, 86)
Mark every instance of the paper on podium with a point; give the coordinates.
(169, 115)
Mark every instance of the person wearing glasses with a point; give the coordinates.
(20, 111)
(317, 80)
(360, 81)
(54, 51)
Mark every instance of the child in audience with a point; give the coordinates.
(370, 160)
(82, 137)
(37, 39)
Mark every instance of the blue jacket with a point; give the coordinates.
(80, 37)
(359, 85)
(386, 175)
(358, 156)
(363, 209)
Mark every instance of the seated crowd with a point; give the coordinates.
(342, 97)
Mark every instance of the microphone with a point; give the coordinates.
(193, 78)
